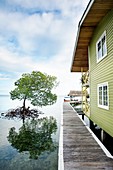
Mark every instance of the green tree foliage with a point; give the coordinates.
(34, 136)
(36, 87)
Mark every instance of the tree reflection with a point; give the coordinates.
(35, 136)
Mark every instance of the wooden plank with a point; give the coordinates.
(80, 150)
(79, 62)
(78, 69)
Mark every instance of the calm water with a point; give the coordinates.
(21, 149)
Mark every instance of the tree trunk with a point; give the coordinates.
(23, 119)
(23, 111)
(24, 103)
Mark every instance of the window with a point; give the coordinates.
(103, 96)
(101, 48)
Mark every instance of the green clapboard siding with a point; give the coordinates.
(102, 72)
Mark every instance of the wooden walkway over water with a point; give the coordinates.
(80, 150)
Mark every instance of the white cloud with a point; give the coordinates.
(28, 27)
(3, 77)
(64, 6)
(58, 66)
(58, 26)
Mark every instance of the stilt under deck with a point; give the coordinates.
(80, 149)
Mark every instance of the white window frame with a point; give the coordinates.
(102, 85)
(103, 48)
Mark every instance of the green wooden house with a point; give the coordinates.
(93, 52)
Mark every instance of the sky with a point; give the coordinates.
(39, 35)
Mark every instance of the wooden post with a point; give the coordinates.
(103, 135)
(92, 127)
(82, 116)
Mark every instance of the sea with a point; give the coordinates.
(19, 149)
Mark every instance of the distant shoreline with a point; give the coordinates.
(4, 94)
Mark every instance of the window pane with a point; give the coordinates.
(100, 95)
(103, 99)
(105, 96)
(99, 50)
(103, 46)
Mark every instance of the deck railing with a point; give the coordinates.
(85, 93)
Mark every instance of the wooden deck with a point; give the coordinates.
(80, 149)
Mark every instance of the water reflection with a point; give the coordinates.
(34, 137)
(10, 157)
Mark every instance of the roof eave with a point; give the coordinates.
(81, 69)
(86, 26)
